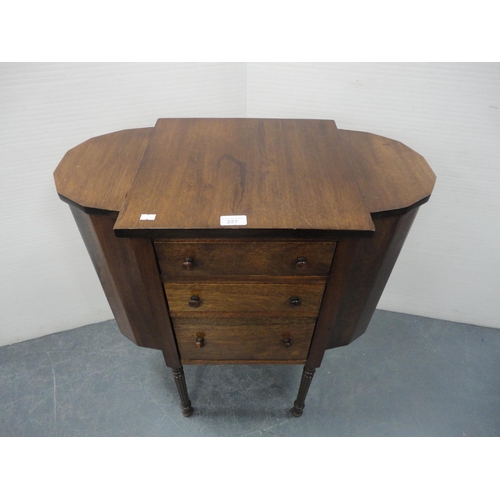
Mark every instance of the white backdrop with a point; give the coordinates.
(449, 113)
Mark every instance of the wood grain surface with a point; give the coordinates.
(240, 339)
(236, 298)
(391, 175)
(98, 173)
(128, 273)
(191, 259)
(280, 174)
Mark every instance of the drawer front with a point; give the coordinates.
(268, 299)
(244, 258)
(243, 339)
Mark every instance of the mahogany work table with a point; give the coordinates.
(243, 240)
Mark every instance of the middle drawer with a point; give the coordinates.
(301, 299)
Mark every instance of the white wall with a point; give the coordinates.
(47, 282)
(449, 113)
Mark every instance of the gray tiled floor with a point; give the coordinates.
(407, 376)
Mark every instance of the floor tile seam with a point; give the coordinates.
(48, 393)
(63, 380)
(165, 414)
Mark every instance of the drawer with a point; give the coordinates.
(243, 339)
(266, 298)
(240, 258)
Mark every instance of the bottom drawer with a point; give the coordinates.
(244, 339)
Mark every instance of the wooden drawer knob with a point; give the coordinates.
(295, 301)
(200, 342)
(195, 301)
(287, 342)
(188, 263)
(301, 263)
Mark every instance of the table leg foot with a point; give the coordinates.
(187, 412)
(305, 382)
(180, 382)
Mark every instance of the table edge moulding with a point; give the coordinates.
(243, 240)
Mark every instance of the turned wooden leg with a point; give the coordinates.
(305, 382)
(180, 382)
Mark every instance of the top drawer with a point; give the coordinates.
(240, 258)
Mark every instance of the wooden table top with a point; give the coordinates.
(280, 174)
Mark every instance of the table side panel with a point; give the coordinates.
(129, 276)
(92, 230)
(360, 271)
(372, 269)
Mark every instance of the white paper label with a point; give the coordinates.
(148, 217)
(233, 220)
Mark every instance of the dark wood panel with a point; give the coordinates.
(293, 258)
(255, 298)
(285, 174)
(244, 338)
(99, 172)
(359, 274)
(93, 230)
(332, 300)
(129, 276)
(372, 268)
(391, 175)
